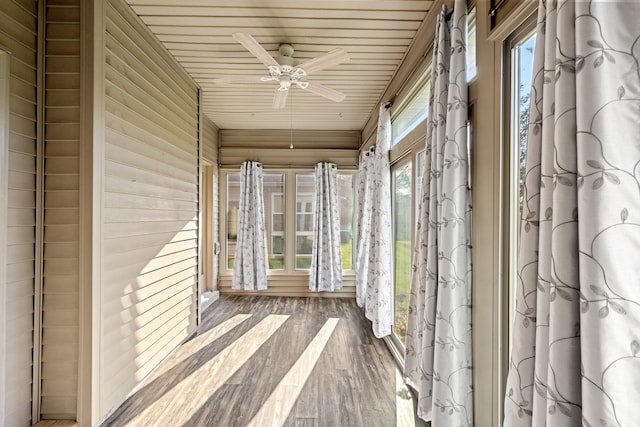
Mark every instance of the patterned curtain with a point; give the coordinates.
(438, 348)
(379, 292)
(326, 260)
(363, 230)
(576, 336)
(250, 266)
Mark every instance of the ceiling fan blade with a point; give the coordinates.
(325, 91)
(280, 98)
(245, 79)
(335, 57)
(255, 48)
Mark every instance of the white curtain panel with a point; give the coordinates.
(326, 260)
(438, 348)
(576, 336)
(379, 292)
(250, 265)
(363, 230)
(374, 277)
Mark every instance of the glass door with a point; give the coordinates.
(403, 208)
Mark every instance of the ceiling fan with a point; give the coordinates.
(286, 73)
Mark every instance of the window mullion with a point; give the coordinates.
(290, 221)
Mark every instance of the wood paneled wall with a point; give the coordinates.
(18, 37)
(210, 141)
(271, 147)
(150, 215)
(61, 215)
(289, 285)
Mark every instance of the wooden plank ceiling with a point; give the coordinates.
(375, 33)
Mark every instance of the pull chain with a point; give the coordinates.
(291, 127)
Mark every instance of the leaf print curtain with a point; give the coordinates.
(379, 294)
(438, 348)
(374, 289)
(363, 230)
(250, 266)
(326, 261)
(576, 335)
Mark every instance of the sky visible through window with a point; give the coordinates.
(525, 66)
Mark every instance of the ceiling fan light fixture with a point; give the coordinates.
(286, 49)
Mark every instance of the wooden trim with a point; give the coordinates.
(201, 215)
(486, 199)
(507, 24)
(39, 212)
(302, 139)
(278, 157)
(90, 224)
(4, 199)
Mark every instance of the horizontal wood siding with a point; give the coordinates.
(292, 286)
(61, 215)
(210, 141)
(150, 216)
(18, 36)
(272, 147)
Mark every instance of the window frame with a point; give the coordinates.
(405, 99)
(278, 233)
(304, 233)
(411, 160)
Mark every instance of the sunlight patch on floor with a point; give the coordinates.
(276, 409)
(199, 342)
(404, 403)
(179, 404)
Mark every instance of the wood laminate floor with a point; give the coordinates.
(275, 361)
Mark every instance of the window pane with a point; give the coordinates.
(525, 66)
(345, 200)
(233, 203)
(305, 196)
(411, 115)
(420, 159)
(273, 193)
(402, 208)
(522, 65)
(472, 68)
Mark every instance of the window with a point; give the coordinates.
(402, 229)
(305, 192)
(273, 191)
(289, 218)
(305, 208)
(420, 159)
(277, 224)
(472, 63)
(346, 196)
(413, 113)
(519, 52)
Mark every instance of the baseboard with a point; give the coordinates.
(208, 298)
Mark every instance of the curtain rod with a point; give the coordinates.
(283, 166)
(495, 8)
